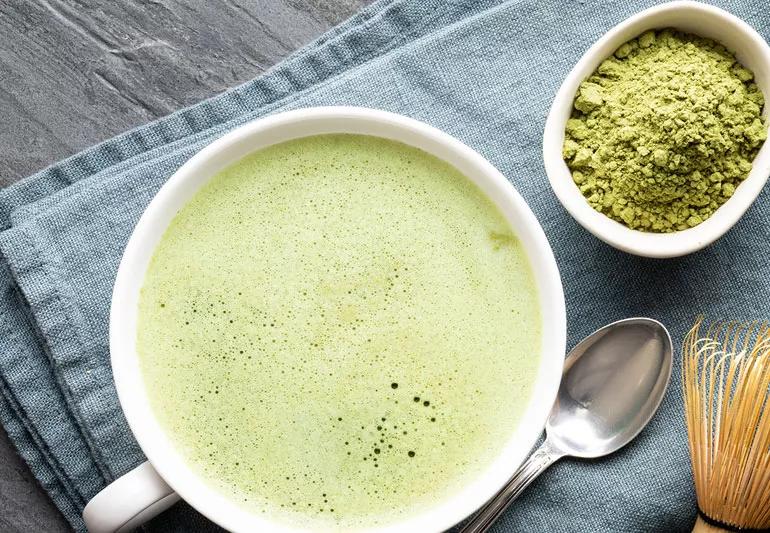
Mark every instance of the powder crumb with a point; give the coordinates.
(664, 131)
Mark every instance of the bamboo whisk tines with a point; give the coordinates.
(726, 386)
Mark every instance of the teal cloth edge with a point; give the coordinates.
(26, 446)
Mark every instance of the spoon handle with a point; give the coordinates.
(535, 464)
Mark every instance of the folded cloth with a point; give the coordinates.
(484, 71)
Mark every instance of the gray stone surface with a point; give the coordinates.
(76, 72)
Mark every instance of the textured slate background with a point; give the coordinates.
(76, 72)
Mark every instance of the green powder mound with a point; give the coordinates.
(338, 331)
(663, 132)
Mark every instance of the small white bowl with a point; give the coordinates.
(691, 17)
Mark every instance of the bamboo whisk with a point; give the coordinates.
(726, 382)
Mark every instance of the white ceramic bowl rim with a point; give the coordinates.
(293, 124)
(692, 17)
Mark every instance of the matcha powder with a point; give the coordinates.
(664, 131)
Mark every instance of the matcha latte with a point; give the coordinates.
(338, 331)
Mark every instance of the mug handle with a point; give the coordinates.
(129, 501)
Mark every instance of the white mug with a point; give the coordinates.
(165, 477)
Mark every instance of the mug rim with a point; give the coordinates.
(157, 444)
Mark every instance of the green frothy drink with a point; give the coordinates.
(339, 330)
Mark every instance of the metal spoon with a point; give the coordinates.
(613, 382)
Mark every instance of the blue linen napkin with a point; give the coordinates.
(484, 71)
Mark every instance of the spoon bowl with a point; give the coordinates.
(612, 384)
